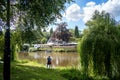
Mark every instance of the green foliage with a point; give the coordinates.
(43, 40)
(28, 36)
(1, 46)
(31, 13)
(84, 48)
(2, 9)
(16, 42)
(42, 12)
(46, 35)
(51, 31)
(76, 32)
(78, 36)
(99, 46)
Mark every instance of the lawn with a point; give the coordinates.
(27, 70)
(32, 71)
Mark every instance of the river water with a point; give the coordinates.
(59, 59)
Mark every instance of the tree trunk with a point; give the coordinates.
(6, 73)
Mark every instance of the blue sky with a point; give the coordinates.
(81, 11)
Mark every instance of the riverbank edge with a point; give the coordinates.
(55, 49)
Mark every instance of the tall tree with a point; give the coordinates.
(61, 33)
(28, 14)
(51, 31)
(36, 12)
(98, 45)
(76, 32)
(7, 52)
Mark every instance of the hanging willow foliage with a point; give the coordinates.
(100, 47)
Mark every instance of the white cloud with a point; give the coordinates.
(89, 10)
(74, 12)
(112, 7)
(90, 3)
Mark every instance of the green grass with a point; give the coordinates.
(32, 71)
(26, 70)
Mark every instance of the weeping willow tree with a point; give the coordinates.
(100, 47)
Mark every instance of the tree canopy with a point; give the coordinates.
(28, 17)
(42, 12)
(27, 14)
(61, 33)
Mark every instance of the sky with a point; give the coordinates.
(79, 12)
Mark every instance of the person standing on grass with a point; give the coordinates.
(49, 62)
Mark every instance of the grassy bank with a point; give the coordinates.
(56, 49)
(32, 71)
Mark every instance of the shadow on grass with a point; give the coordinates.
(22, 72)
(25, 72)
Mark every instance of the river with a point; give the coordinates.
(59, 59)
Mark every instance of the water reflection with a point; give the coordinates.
(58, 58)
